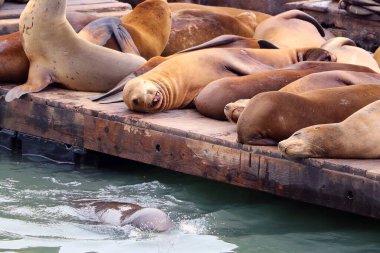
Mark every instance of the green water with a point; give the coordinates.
(37, 214)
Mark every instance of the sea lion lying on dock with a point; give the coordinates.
(121, 214)
(273, 116)
(216, 95)
(13, 61)
(176, 82)
(357, 137)
(291, 29)
(58, 55)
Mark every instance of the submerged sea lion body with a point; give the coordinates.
(357, 137)
(57, 54)
(273, 116)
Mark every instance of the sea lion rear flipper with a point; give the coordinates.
(337, 42)
(218, 41)
(99, 31)
(124, 39)
(20, 90)
(305, 17)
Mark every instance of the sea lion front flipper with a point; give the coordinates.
(264, 44)
(262, 142)
(297, 14)
(218, 41)
(99, 31)
(39, 78)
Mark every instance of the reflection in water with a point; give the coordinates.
(38, 214)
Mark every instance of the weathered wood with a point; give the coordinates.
(363, 31)
(185, 141)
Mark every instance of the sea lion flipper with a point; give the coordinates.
(124, 39)
(337, 42)
(266, 44)
(99, 31)
(20, 90)
(305, 17)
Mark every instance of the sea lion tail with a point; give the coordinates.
(297, 14)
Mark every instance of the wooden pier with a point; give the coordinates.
(185, 141)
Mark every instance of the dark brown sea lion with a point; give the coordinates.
(291, 29)
(216, 95)
(14, 64)
(357, 137)
(331, 79)
(58, 55)
(273, 116)
(175, 83)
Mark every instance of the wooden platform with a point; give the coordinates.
(364, 32)
(10, 12)
(185, 141)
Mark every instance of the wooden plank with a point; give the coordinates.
(206, 150)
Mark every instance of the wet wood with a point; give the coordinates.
(185, 141)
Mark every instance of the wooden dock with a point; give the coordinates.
(185, 141)
(10, 12)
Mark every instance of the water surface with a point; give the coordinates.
(38, 213)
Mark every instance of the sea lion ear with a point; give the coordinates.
(317, 54)
(266, 44)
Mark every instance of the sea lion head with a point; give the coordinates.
(308, 142)
(316, 54)
(143, 95)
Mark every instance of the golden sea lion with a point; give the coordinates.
(216, 95)
(291, 29)
(58, 55)
(13, 61)
(376, 56)
(176, 82)
(356, 137)
(273, 116)
(346, 51)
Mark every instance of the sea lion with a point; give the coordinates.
(356, 137)
(376, 56)
(121, 214)
(330, 79)
(273, 116)
(193, 27)
(13, 61)
(233, 110)
(216, 95)
(144, 31)
(291, 29)
(58, 55)
(175, 83)
(347, 52)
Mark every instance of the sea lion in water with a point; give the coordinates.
(346, 51)
(356, 137)
(330, 79)
(273, 116)
(175, 83)
(57, 54)
(121, 214)
(193, 27)
(216, 95)
(13, 61)
(143, 31)
(291, 29)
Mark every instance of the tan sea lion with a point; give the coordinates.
(273, 116)
(291, 29)
(193, 27)
(347, 52)
(216, 95)
(13, 61)
(357, 137)
(330, 79)
(376, 56)
(58, 55)
(121, 214)
(233, 110)
(175, 83)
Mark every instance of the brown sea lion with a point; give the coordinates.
(346, 51)
(291, 29)
(175, 83)
(216, 95)
(330, 79)
(193, 27)
(273, 116)
(13, 61)
(58, 55)
(121, 214)
(143, 31)
(357, 137)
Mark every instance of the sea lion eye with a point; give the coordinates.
(135, 101)
(297, 134)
